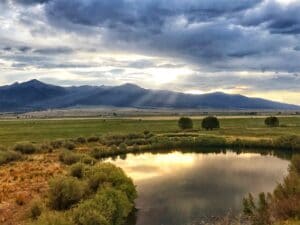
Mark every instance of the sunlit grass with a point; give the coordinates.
(44, 130)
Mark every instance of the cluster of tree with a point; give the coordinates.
(208, 123)
(212, 122)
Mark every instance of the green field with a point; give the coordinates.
(12, 131)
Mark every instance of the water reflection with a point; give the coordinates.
(180, 189)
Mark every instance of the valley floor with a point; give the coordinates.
(12, 131)
(52, 146)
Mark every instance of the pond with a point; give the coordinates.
(179, 188)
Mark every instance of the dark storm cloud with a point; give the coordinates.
(276, 17)
(211, 33)
(29, 2)
(147, 12)
(54, 51)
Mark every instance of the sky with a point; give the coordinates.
(249, 47)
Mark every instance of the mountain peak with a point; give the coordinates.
(130, 85)
(33, 82)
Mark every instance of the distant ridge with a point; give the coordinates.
(36, 95)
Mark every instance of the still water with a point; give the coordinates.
(187, 188)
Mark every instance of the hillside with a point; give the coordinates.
(35, 95)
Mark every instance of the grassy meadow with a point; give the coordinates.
(12, 131)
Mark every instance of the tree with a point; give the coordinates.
(210, 123)
(185, 123)
(272, 121)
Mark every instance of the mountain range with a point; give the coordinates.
(36, 95)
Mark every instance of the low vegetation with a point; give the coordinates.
(280, 207)
(102, 194)
(25, 148)
(7, 156)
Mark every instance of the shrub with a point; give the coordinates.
(77, 170)
(107, 173)
(185, 123)
(93, 139)
(135, 148)
(146, 132)
(69, 145)
(113, 148)
(87, 213)
(65, 192)
(95, 180)
(46, 148)
(282, 205)
(81, 140)
(88, 160)
(53, 218)
(210, 123)
(69, 158)
(291, 142)
(57, 144)
(7, 156)
(110, 205)
(35, 210)
(99, 153)
(272, 121)
(123, 147)
(134, 136)
(25, 148)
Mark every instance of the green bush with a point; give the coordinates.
(93, 139)
(64, 192)
(135, 148)
(123, 147)
(185, 123)
(88, 160)
(291, 142)
(77, 170)
(7, 156)
(35, 210)
(67, 157)
(87, 213)
(99, 153)
(69, 145)
(111, 205)
(96, 179)
(57, 144)
(25, 148)
(210, 123)
(113, 148)
(103, 174)
(272, 121)
(53, 218)
(46, 148)
(146, 132)
(81, 140)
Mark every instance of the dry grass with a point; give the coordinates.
(20, 182)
